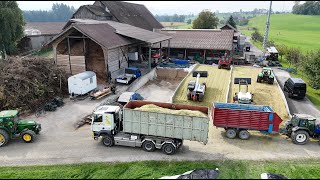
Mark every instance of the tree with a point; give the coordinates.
(311, 67)
(282, 50)
(206, 20)
(189, 21)
(294, 56)
(11, 24)
(231, 22)
(256, 36)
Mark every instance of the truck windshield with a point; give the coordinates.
(97, 118)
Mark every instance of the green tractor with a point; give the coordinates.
(12, 127)
(301, 127)
(266, 75)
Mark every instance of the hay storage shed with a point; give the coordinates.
(82, 83)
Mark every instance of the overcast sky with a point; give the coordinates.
(171, 7)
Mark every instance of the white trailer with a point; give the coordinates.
(82, 83)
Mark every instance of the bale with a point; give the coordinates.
(182, 112)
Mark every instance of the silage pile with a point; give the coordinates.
(30, 82)
(183, 112)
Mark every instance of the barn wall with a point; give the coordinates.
(117, 61)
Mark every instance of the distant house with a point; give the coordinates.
(203, 45)
(37, 34)
(129, 13)
(101, 46)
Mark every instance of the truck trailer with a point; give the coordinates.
(150, 130)
(237, 119)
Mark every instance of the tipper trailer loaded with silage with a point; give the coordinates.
(237, 119)
(151, 125)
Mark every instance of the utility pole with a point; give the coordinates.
(265, 38)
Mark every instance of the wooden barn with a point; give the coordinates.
(101, 46)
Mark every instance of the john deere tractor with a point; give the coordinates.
(12, 127)
(266, 75)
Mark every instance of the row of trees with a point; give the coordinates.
(307, 8)
(209, 20)
(59, 13)
(173, 18)
(308, 63)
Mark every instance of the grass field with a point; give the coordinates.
(217, 84)
(156, 169)
(264, 93)
(295, 30)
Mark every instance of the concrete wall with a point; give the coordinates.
(229, 84)
(142, 80)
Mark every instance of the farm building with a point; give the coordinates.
(101, 46)
(238, 41)
(38, 34)
(202, 45)
(129, 13)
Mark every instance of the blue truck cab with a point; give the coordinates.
(130, 74)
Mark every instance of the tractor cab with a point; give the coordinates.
(302, 120)
(266, 75)
(11, 126)
(225, 62)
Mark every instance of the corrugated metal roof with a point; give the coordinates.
(199, 39)
(46, 28)
(138, 33)
(134, 14)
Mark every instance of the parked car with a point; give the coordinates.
(129, 96)
(129, 75)
(295, 87)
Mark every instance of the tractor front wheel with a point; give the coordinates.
(28, 136)
(219, 66)
(4, 137)
(300, 137)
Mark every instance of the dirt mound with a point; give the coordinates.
(30, 82)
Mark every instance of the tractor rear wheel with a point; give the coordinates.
(219, 66)
(28, 136)
(244, 135)
(300, 137)
(108, 141)
(231, 133)
(4, 137)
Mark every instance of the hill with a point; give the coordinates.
(289, 29)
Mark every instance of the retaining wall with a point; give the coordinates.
(229, 84)
(283, 97)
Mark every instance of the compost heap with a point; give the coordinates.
(28, 83)
(182, 112)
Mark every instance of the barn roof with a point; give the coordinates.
(215, 39)
(97, 10)
(43, 28)
(110, 34)
(134, 14)
(228, 26)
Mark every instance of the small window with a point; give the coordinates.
(91, 80)
(97, 118)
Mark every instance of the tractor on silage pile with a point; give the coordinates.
(266, 75)
(195, 89)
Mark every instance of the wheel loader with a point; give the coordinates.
(195, 89)
(243, 96)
